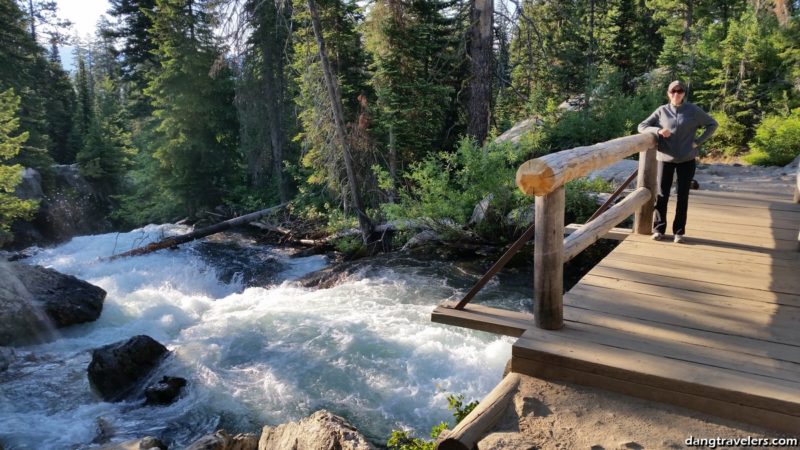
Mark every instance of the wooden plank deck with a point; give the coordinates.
(712, 324)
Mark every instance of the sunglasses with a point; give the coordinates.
(676, 91)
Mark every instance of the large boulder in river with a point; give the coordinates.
(35, 300)
(320, 431)
(116, 369)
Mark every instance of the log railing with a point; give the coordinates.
(545, 178)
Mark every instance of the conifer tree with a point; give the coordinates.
(322, 160)
(11, 208)
(414, 64)
(264, 97)
(137, 55)
(60, 107)
(22, 67)
(107, 153)
(192, 93)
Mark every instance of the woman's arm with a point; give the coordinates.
(707, 122)
(651, 124)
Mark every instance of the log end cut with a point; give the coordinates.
(535, 177)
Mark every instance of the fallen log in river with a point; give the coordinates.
(174, 241)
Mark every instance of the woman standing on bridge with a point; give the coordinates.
(675, 125)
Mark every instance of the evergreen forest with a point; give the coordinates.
(357, 113)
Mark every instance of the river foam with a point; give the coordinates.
(253, 355)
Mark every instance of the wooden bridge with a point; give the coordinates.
(711, 324)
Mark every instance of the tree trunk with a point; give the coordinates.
(480, 51)
(392, 164)
(338, 116)
(33, 20)
(272, 75)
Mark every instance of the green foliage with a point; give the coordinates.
(443, 188)
(11, 207)
(730, 138)
(777, 140)
(192, 93)
(107, 152)
(321, 165)
(402, 440)
(413, 96)
(580, 201)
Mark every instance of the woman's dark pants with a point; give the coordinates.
(685, 171)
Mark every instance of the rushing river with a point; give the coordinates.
(255, 347)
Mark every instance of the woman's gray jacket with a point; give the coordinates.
(682, 121)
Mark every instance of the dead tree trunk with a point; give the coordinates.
(364, 223)
(174, 241)
(480, 52)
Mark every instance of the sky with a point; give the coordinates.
(83, 14)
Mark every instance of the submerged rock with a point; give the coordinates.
(320, 431)
(116, 369)
(34, 300)
(221, 440)
(165, 391)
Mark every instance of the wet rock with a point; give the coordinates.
(34, 300)
(165, 391)
(116, 369)
(221, 440)
(69, 206)
(146, 443)
(65, 299)
(333, 275)
(320, 431)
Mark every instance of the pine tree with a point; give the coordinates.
(11, 208)
(264, 96)
(84, 103)
(413, 70)
(107, 153)
(22, 67)
(322, 159)
(137, 55)
(192, 93)
(60, 105)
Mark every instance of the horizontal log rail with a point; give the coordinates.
(543, 175)
(594, 230)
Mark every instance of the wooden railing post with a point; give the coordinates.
(648, 178)
(548, 260)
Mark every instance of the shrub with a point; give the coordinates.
(777, 140)
(402, 440)
(730, 138)
(443, 188)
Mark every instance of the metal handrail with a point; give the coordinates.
(526, 236)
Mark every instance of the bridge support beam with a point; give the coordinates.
(648, 178)
(548, 260)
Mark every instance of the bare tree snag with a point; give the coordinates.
(480, 52)
(332, 85)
